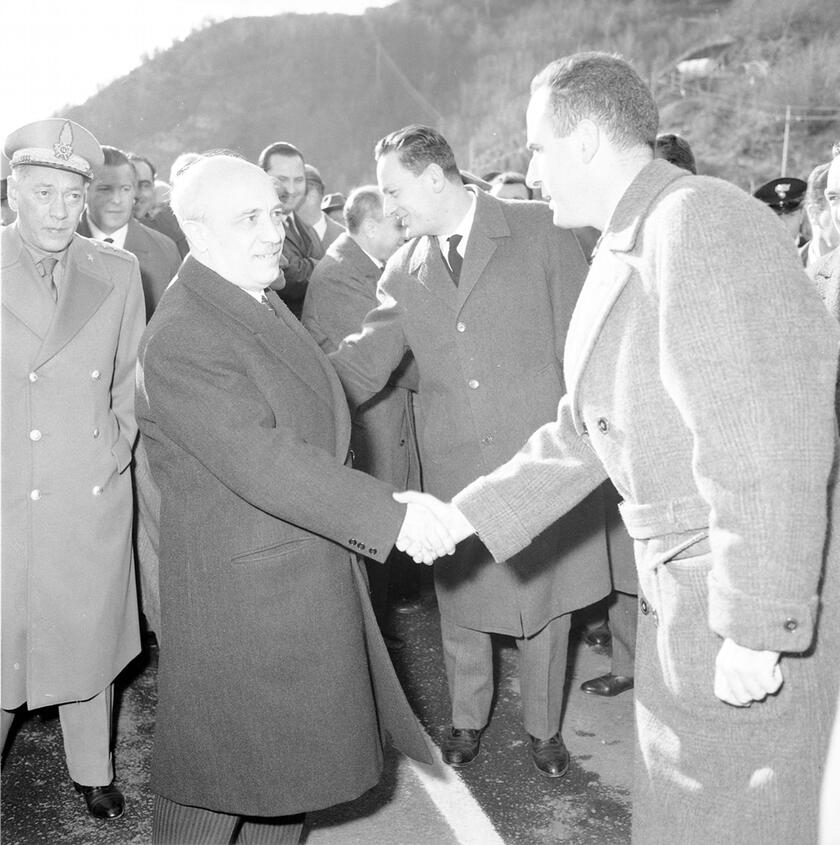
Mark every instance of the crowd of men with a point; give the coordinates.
(610, 377)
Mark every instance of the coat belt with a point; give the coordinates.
(690, 513)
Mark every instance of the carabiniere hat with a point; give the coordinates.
(55, 142)
(333, 201)
(782, 195)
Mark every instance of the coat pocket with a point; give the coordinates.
(273, 552)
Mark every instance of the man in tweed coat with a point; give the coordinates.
(700, 367)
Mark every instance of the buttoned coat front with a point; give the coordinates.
(274, 682)
(489, 354)
(701, 367)
(69, 596)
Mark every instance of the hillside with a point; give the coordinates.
(334, 84)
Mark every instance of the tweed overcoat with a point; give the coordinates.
(489, 355)
(701, 367)
(69, 596)
(157, 254)
(341, 292)
(274, 683)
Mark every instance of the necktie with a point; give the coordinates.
(264, 301)
(46, 267)
(108, 240)
(454, 258)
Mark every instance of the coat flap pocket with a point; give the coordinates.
(275, 550)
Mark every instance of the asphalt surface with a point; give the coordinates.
(500, 798)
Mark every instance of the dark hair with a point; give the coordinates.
(363, 202)
(605, 89)
(133, 157)
(417, 147)
(675, 149)
(278, 148)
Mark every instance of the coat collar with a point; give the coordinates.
(427, 264)
(345, 249)
(85, 285)
(610, 271)
(283, 336)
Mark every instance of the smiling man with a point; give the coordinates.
(302, 248)
(274, 682)
(482, 296)
(72, 318)
(109, 217)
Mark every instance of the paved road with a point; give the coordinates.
(499, 799)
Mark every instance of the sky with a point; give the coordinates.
(63, 51)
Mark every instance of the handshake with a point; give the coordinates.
(431, 528)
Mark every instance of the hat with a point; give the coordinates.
(313, 176)
(782, 195)
(471, 179)
(55, 142)
(332, 202)
(676, 149)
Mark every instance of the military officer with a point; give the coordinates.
(72, 316)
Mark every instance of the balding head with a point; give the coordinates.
(230, 213)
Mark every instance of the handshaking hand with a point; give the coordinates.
(431, 528)
(744, 675)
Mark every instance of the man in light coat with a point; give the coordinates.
(275, 687)
(482, 296)
(715, 421)
(72, 318)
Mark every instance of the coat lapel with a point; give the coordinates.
(24, 293)
(488, 224)
(428, 267)
(611, 270)
(85, 287)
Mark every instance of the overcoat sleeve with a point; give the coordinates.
(213, 411)
(751, 368)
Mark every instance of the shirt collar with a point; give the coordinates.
(320, 226)
(463, 228)
(118, 237)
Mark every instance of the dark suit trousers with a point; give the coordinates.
(177, 824)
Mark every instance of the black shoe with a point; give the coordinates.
(608, 685)
(599, 636)
(103, 802)
(550, 756)
(461, 746)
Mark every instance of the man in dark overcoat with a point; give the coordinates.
(482, 296)
(274, 683)
(72, 318)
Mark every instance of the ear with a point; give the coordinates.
(436, 177)
(588, 139)
(12, 188)
(196, 233)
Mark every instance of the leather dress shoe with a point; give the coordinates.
(599, 636)
(461, 746)
(608, 685)
(103, 802)
(550, 756)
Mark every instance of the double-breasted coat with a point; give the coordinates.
(69, 596)
(700, 367)
(274, 682)
(489, 354)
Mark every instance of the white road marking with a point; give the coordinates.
(454, 801)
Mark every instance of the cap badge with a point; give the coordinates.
(782, 190)
(63, 148)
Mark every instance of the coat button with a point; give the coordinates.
(97, 491)
(96, 375)
(372, 551)
(362, 546)
(472, 384)
(35, 495)
(603, 425)
(643, 606)
(461, 327)
(35, 435)
(96, 433)
(33, 377)
(791, 625)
